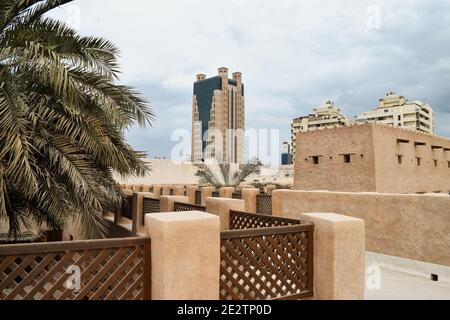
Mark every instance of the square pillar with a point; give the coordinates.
(190, 193)
(185, 251)
(249, 195)
(146, 188)
(222, 207)
(165, 191)
(206, 193)
(270, 188)
(179, 191)
(226, 192)
(137, 187)
(157, 190)
(167, 202)
(339, 256)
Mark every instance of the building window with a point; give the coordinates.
(400, 159)
(435, 163)
(315, 159)
(419, 161)
(347, 158)
(448, 164)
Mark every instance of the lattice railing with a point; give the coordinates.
(268, 263)
(150, 205)
(181, 206)
(264, 204)
(127, 207)
(244, 220)
(198, 197)
(237, 195)
(116, 269)
(215, 194)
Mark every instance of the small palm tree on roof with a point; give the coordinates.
(224, 175)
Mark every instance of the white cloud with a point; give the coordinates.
(294, 55)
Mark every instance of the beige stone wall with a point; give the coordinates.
(374, 151)
(332, 173)
(165, 172)
(408, 177)
(410, 226)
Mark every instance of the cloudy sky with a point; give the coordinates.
(294, 55)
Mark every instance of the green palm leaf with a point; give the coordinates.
(62, 118)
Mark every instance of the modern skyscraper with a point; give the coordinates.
(218, 118)
(396, 110)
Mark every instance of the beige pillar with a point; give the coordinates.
(270, 188)
(249, 196)
(185, 255)
(206, 193)
(339, 247)
(138, 211)
(166, 190)
(226, 192)
(190, 193)
(137, 187)
(157, 190)
(167, 202)
(222, 207)
(179, 191)
(146, 188)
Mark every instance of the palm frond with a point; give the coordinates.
(62, 117)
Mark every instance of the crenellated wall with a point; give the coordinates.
(372, 158)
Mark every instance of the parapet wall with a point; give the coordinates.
(410, 226)
(410, 162)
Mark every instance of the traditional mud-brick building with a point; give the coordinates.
(372, 158)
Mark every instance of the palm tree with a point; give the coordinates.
(62, 122)
(223, 175)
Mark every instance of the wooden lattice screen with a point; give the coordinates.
(244, 220)
(237, 195)
(216, 194)
(150, 205)
(180, 206)
(127, 207)
(114, 269)
(267, 263)
(264, 204)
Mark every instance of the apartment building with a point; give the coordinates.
(395, 110)
(322, 117)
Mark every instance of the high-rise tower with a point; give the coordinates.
(218, 118)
